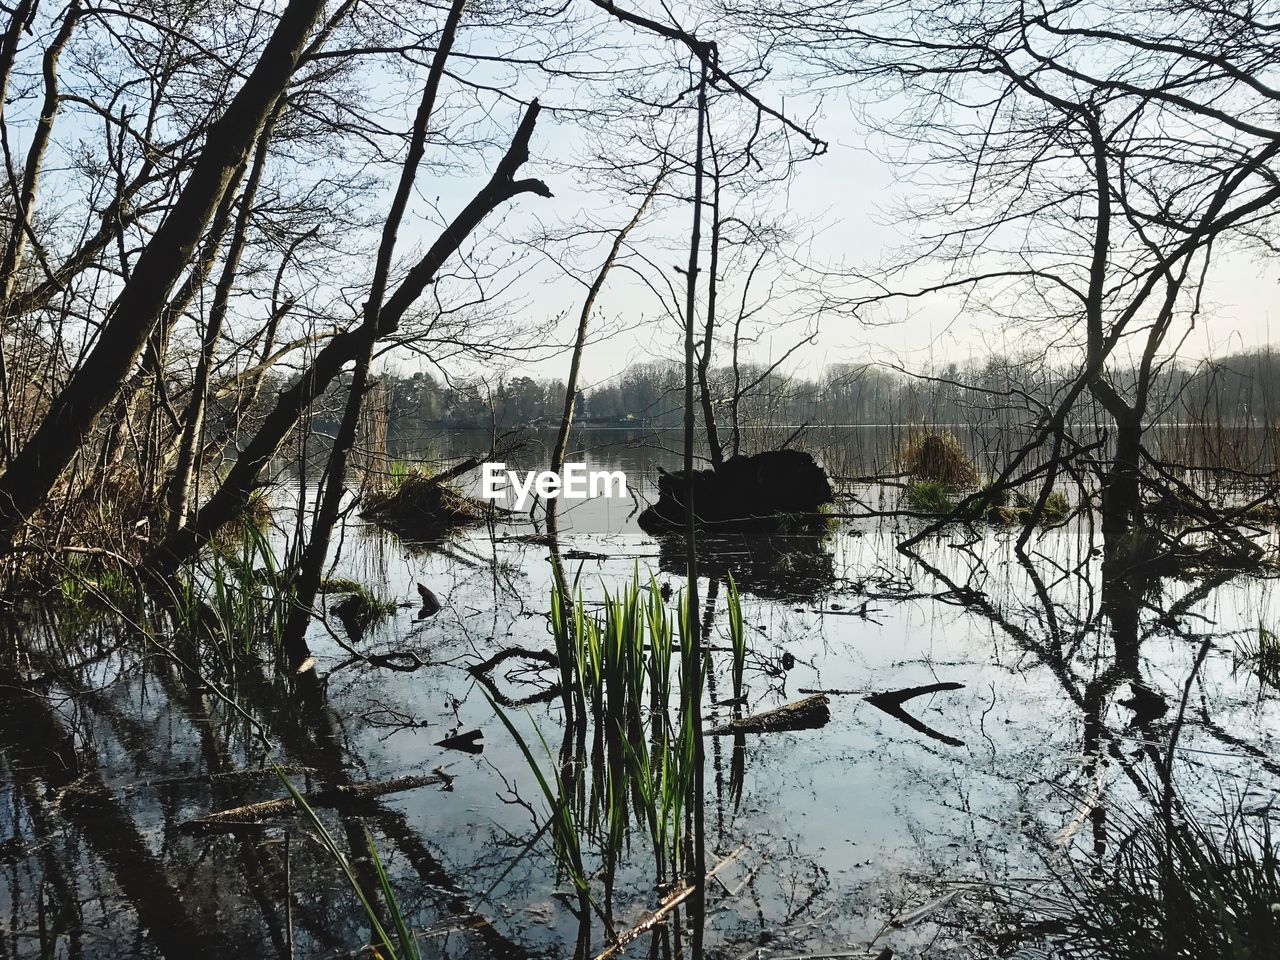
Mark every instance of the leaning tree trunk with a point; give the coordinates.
(179, 492)
(573, 699)
(33, 472)
(709, 327)
(140, 388)
(575, 362)
(233, 494)
(691, 645)
(307, 584)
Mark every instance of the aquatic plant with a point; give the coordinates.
(737, 638)
(91, 580)
(340, 585)
(929, 496)
(1260, 653)
(566, 830)
(400, 471)
(617, 661)
(240, 596)
(405, 945)
(361, 606)
(254, 518)
(1056, 507)
(1180, 887)
(935, 456)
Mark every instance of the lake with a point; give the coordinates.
(1063, 692)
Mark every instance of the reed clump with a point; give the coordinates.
(238, 595)
(419, 505)
(632, 726)
(1181, 887)
(1260, 654)
(99, 582)
(936, 456)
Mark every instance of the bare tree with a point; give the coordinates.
(1088, 167)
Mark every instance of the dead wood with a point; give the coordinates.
(255, 813)
(484, 672)
(224, 776)
(891, 702)
(807, 714)
(469, 742)
(656, 917)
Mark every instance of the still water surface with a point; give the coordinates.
(1070, 693)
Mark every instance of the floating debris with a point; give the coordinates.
(891, 703)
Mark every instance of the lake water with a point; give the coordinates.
(1070, 693)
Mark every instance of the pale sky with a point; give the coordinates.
(849, 196)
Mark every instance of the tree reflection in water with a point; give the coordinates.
(1071, 673)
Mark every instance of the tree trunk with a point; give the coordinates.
(575, 361)
(709, 326)
(24, 202)
(691, 645)
(334, 481)
(193, 417)
(1121, 488)
(34, 471)
(232, 496)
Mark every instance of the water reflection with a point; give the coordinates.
(1064, 686)
(797, 566)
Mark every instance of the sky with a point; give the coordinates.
(848, 198)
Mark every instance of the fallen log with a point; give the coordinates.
(807, 714)
(251, 814)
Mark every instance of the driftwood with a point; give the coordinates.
(906, 919)
(469, 742)
(891, 703)
(224, 776)
(251, 814)
(657, 917)
(807, 714)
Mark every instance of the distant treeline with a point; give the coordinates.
(1237, 389)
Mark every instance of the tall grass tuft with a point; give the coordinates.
(618, 661)
(566, 831)
(241, 595)
(737, 638)
(1261, 656)
(1181, 887)
(929, 496)
(933, 456)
